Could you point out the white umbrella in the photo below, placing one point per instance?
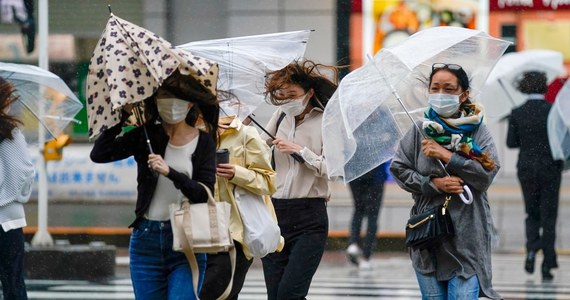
(501, 95)
(244, 62)
(363, 121)
(44, 99)
(559, 125)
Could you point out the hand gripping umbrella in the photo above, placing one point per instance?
(373, 105)
(501, 95)
(129, 64)
(244, 62)
(44, 100)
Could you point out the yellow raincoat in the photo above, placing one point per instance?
(255, 174)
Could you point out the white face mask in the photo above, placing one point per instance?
(444, 105)
(172, 110)
(295, 106)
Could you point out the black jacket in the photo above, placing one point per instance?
(528, 131)
(111, 147)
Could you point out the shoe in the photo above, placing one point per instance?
(546, 275)
(352, 253)
(529, 262)
(365, 265)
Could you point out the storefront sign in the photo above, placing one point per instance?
(495, 5)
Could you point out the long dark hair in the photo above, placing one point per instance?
(307, 74)
(7, 97)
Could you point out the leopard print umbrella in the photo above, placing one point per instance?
(128, 65)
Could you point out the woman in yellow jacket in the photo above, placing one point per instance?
(249, 168)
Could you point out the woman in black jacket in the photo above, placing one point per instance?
(178, 157)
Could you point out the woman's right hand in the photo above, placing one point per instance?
(449, 184)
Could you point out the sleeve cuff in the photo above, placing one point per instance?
(428, 188)
(240, 176)
(309, 156)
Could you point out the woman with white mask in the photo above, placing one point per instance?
(301, 92)
(459, 267)
(179, 157)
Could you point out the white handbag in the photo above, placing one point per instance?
(205, 226)
(261, 234)
(202, 228)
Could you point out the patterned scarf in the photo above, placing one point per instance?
(455, 133)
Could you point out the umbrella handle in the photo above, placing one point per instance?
(469, 198)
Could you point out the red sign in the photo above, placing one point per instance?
(529, 4)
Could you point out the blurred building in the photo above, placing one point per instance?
(532, 24)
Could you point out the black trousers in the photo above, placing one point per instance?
(367, 193)
(541, 189)
(12, 264)
(218, 271)
(304, 225)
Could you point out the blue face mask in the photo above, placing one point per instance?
(444, 105)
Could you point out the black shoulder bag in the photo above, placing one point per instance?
(430, 228)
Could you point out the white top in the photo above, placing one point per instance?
(295, 180)
(178, 158)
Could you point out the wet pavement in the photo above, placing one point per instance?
(392, 277)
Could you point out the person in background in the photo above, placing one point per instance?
(367, 191)
(253, 173)
(181, 157)
(539, 174)
(301, 92)
(460, 267)
(16, 177)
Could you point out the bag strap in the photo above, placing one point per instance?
(279, 120)
(186, 242)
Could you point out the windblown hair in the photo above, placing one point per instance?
(7, 98)
(307, 74)
(533, 82)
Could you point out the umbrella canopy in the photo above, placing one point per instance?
(364, 120)
(244, 62)
(44, 100)
(501, 94)
(129, 64)
(559, 125)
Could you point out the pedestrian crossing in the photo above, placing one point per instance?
(391, 278)
(334, 286)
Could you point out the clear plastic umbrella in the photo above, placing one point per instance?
(364, 120)
(501, 95)
(44, 100)
(244, 62)
(559, 125)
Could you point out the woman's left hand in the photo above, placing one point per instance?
(157, 163)
(431, 148)
(227, 171)
(285, 146)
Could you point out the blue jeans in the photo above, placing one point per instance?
(457, 288)
(157, 271)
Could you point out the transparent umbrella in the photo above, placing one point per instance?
(372, 107)
(559, 125)
(500, 94)
(44, 100)
(244, 62)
